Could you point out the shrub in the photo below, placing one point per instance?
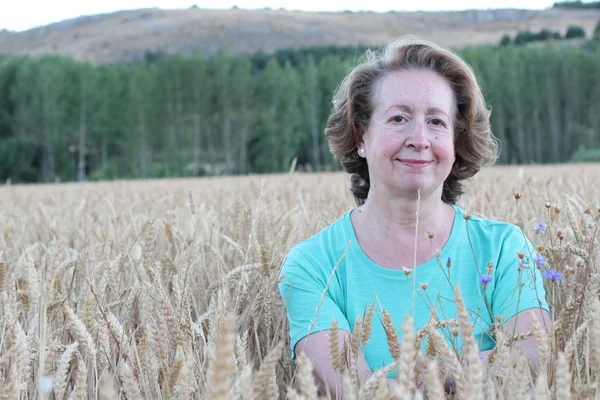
(19, 160)
(586, 155)
(574, 32)
(505, 41)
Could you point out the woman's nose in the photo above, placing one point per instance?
(418, 137)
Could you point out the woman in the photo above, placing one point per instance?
(409, 126)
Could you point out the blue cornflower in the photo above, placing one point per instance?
(540, 227)
(553, 275)
(485, 279)
(540, 260)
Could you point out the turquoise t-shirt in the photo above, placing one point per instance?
(516, 284)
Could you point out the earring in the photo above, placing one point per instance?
(362, 152)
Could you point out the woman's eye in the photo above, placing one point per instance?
(437, 122)
(398, 118)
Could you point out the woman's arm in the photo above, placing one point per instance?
(316, 348)
(522, 323)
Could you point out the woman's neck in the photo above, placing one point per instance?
(388, 218)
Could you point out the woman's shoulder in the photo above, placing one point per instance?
(489, 225)
(488, 233)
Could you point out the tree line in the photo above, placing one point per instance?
(577, 4)
(178, 115)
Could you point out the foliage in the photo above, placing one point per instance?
(528, 36)
(575, 32)
(192, 116)
(577, 4)
(506, 40)
(19, 159)
(586, 155)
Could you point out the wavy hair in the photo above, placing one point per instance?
(474, 143)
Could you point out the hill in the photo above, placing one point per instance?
(127, 35)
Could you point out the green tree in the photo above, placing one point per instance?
(505, 41)
(575, 32)
(242, 93)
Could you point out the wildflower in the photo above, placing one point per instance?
(553, 275)
(540, 260)
(406, 271)
(485, 279)
(424, 285)
(490, 267)
(517, 195)
(540, 227)
(522, 265)
(448, 263)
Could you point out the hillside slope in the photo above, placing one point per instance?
(126, 35)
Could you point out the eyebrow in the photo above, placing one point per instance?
(407, 108)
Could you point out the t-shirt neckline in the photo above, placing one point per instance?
(420, 269)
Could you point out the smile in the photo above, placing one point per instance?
(415, 163)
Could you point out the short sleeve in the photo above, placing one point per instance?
(310, 307)
(518, 285)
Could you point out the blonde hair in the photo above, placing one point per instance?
(475, 145)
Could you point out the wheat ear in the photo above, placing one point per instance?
(563, 378)
(130, 384)
(222, 363)
(367, 327)
(541, 388)
(391, 335)
(81, 334)
(80, 390)
(474, 385)
(450, 359)
(305, 379)
(435, 387)
(408, 356)
(372, 384)
(106, 387)
(62, 372)
(266, 371)
(337, 362)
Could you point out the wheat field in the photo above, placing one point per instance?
(168, 288)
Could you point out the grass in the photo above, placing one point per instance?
(167, 289)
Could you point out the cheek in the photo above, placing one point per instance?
(445, 148)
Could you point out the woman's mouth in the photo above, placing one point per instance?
(415, 163)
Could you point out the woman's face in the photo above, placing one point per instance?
(409, 142)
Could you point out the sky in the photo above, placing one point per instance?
(22, 15)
